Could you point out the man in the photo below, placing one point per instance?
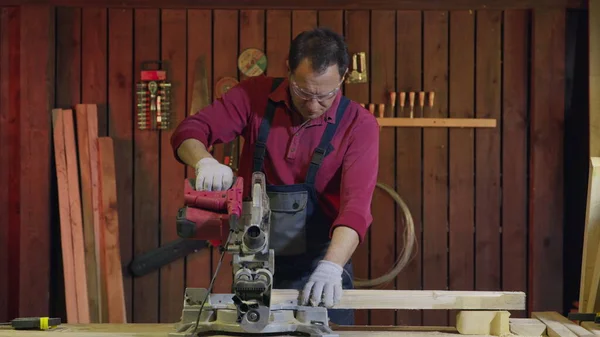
(319, 152)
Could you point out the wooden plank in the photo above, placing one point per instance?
(146, 180)
(172, 174)
(4, 149)
(332, 19)
(526, 326)
(11, 80)
(278, 41)
(382, 81)
(224, 65)
(94, 63)
(68, 57)
(514, 153)
(594, 82)
(357, 39)
(303, 20)
(461, 154)
(435, 161)
(66, 243)
(487, 152)
(453, 122)
(36, 99)
(317, 4)
(560, 326)
(408, 152)
(111, 259)
(590, 270)
(198, 265)
(546, 160)
(120, 101)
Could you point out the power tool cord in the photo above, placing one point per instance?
(406, 253)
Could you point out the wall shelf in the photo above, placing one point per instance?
(437, 122)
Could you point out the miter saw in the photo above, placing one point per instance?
(241, 228)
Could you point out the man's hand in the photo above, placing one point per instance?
(212, 175)
(324, 285)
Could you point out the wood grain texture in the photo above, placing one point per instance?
(4, 148)
(278, 33)
(146, 178)
(68, 57)
(303, 20)
(317, 4)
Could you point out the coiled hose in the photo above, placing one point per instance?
(405, 255)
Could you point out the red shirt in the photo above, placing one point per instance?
(346, 179)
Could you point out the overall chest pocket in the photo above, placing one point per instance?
(288, 222)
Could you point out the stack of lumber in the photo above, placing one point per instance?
(89, 223)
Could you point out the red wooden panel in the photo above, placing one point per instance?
(4, 148)
(37, 57)
(408, 153)
(199, 26)
(435, 161)
(546, 160)
(487, 151)
(146, 179)
(93, 62)
(303, 20)
(278, 41)
(332, 19)
(172, 173)
(383, 75)
(461, 151)
(224, 65)
(514, 153)
(68, 57)
(357, 38)
(120, 103)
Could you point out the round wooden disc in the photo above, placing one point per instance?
(252, 62)
(223, 85)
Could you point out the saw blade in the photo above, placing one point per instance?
(223, 85)
(252, 62)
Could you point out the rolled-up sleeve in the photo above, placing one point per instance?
(359, 177)
(220, 122)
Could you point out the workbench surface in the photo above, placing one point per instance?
(162, 330)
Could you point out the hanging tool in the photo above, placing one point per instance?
(411, 103)
(252, 62)
(33, 323)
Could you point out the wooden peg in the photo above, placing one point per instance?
(402, 102)
(431, 99)
(422, 101)
(381, 110)
(411, 103)
(372, 108)
(392, 103)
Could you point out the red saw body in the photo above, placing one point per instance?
(208, 215)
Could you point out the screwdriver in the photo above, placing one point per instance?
(33, 323)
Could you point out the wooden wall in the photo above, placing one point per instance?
(487, 203)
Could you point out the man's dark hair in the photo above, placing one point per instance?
(322, 47)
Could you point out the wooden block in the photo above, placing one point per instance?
(559, 326)
(527, 326)
(495, 323)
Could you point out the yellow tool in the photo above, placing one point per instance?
(33, 323)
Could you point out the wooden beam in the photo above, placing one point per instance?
(437, 122)
(417, 299)
(559, 326)
(590, 267)
(315, 4)
(594, 77)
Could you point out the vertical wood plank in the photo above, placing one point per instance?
(546, 160)
(199, 43)
(4, 149)
(146, 198)
(93, 91)
(224, 65)
(93, 63)
(120, 103)
(514, 152)
(172, 174)
(461, 153)
(278, 41)
(68, 57)
(332, 19)
(487, 151)
(383, 74)
(37, 100)
(303, 20)
(408, 153)
(357, 38)
(435, 162)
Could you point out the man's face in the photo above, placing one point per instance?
(312, 93)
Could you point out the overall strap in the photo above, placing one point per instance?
(263, 132)
(319, 154)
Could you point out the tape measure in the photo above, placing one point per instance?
(223, 85)
(252, 62)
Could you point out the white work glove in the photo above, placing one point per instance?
(324, 285)
(212, 175)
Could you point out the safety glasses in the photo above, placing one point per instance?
(308, 96)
